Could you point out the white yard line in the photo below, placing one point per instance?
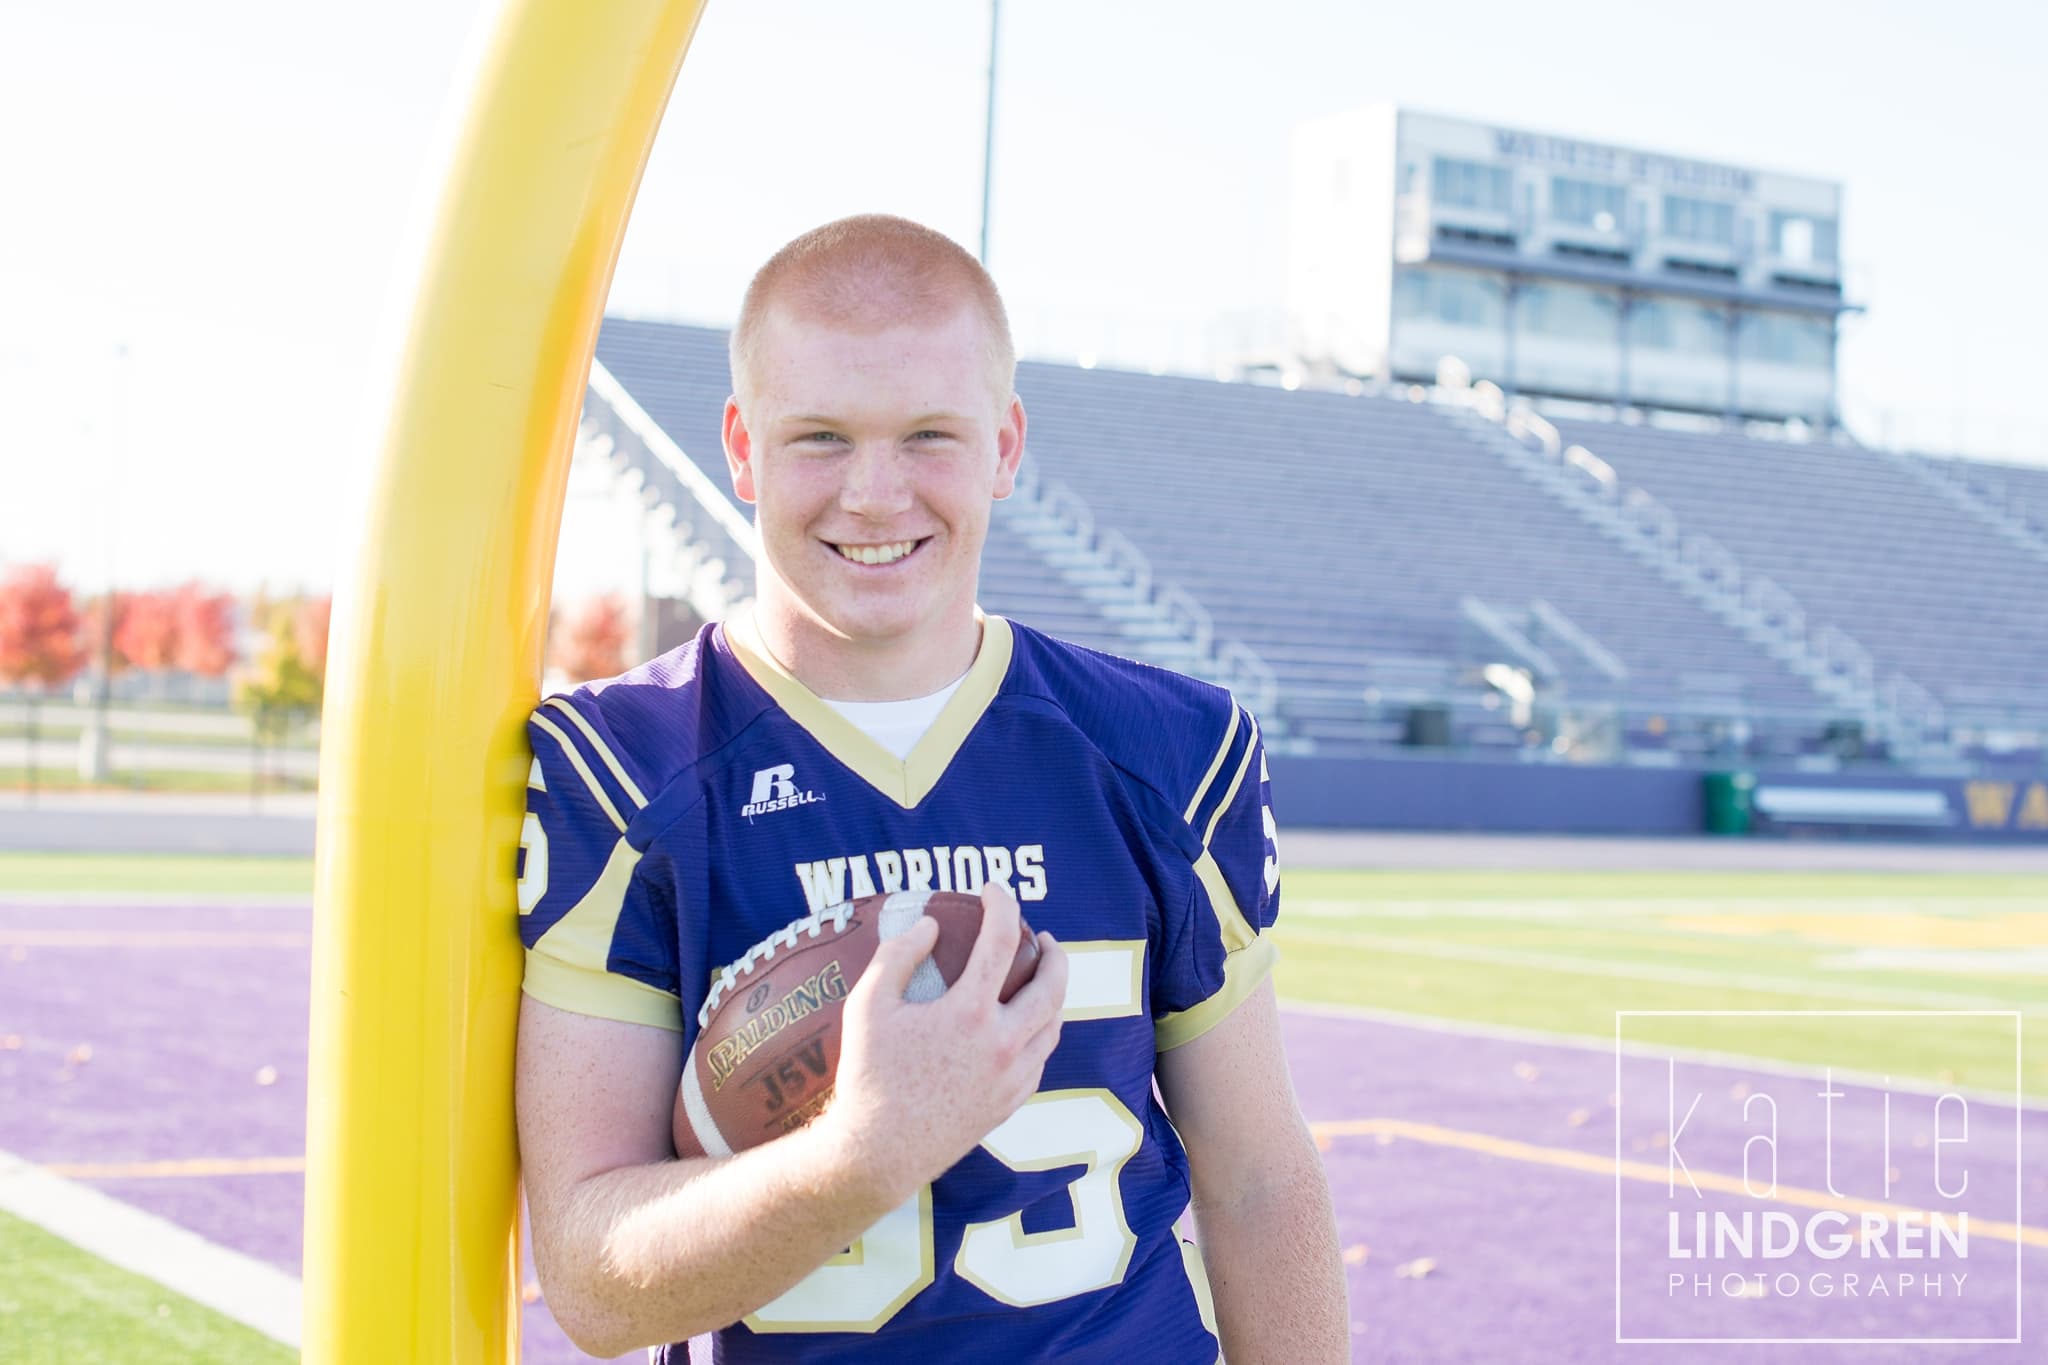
(252, 1292)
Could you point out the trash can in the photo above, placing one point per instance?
(1728, 802)
(1427, 726)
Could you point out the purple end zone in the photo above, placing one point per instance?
(1522, 1245)
(179, 1034)
(1524, 1250)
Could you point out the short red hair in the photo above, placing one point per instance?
(867, 273)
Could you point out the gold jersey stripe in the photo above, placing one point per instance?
(1243, 970)
(602, 995)
(1231, 922)
(1215, 766)
(1251, 747)
(603, 750)
(569, 967)
(576, 760)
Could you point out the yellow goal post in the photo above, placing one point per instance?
(411, 1244)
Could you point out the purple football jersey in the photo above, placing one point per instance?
(685, 810)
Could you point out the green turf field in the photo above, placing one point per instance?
(59, 1305)
(1562, 952)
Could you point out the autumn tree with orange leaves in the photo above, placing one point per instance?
(314, 615)
(188, 628)
(145, 630)
(205, 623)
(40, 648)
(592, 643)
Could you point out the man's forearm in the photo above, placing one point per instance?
(653, 1254)
(1275, 1272)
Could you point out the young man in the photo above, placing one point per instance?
(991, 1180)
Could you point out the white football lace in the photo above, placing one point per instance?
(810, 926)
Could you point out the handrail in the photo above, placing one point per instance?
(1249, 677)
(1524, 420)
(1596, 469)
(680, 556)
(658, 442)
(1572, 633)
(1503, 633)
(1116, 549)
(1914, 706)
(1059, 501)
(1175, 601)
(1489, 400)
(1712, 562)
(1650, 519)
(1232, 661)
(1844, 656)
(1776, 608)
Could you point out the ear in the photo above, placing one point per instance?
(1009, 448)
(739, 450)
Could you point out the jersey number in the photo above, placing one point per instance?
(533, 870)
(867, 1284)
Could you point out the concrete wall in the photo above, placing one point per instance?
(1441, 793)
(1436, 793)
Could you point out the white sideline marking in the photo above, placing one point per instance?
(252, 1292)
(1509, 1033)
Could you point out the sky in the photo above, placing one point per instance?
(204, 204)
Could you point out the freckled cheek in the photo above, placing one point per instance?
(794, 498)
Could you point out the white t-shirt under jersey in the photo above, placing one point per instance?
(897, 725)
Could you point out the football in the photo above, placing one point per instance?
(768, 1035)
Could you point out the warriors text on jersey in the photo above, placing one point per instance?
(682, 812)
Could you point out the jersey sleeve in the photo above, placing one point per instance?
(1218, 953)
(596, 911)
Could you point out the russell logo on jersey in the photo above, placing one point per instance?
(774, 790)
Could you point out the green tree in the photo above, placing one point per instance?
(279, 689)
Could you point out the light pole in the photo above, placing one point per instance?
(988, 139)
(93, 739)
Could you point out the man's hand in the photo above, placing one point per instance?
(636, 1248)
(920, 1084)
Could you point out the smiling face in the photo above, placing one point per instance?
(873, 459)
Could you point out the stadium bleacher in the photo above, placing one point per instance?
(1926, 587)
(1337, 535)
(2020, 491)
(1378, 557)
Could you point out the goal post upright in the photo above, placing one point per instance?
(411, 1249)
